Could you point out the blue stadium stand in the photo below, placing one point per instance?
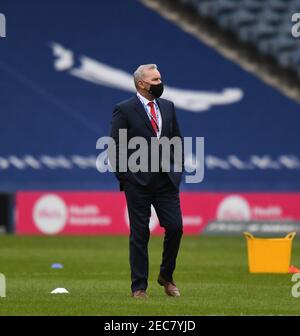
(265, 24)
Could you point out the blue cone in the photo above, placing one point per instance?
(57, 266)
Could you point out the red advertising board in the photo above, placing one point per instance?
(89, 213)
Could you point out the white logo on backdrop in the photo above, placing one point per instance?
(50, 214)
(101, 74)
(234, 207)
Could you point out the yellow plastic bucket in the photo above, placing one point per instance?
(267, 255)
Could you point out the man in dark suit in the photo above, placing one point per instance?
(146, 115)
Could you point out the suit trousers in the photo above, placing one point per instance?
(164, 196)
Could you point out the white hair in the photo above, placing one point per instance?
(139, 72)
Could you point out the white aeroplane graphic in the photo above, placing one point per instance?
(102, 74)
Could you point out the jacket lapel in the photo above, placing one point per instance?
(163, 116)
(140, 109)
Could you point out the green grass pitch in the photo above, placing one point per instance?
(211, 273)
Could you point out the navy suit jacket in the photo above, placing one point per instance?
(131, 115)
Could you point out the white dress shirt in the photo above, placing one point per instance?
(147, 108)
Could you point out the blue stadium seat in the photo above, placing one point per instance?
(216, 8)
(256, 32)
(236, 20)
(253, 6)
(270, 17)
(206, 8)
(294, 5)
(289, 59)
(275, 45)
(285, 28)
(277, 5)
(226, 6)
